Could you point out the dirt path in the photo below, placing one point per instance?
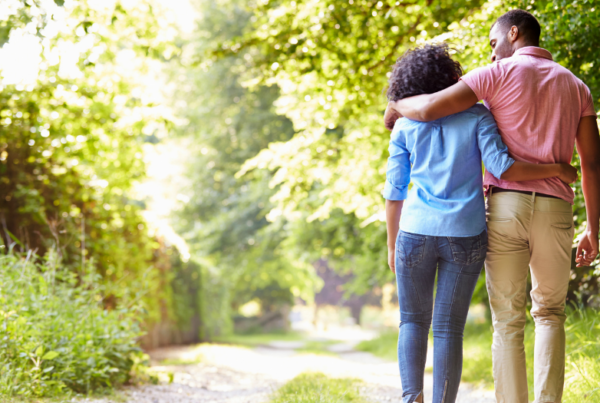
(229, 374)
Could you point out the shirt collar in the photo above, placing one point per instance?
(533, 51)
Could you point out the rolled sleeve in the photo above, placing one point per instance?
(587, 102)
(494, 152)
(398, 171)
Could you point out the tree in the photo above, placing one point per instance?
(223, 216)
(331, 60)
(73, 120)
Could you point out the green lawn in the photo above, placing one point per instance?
(582, 374)
(256, 339)
(384, 346)
(318, 388)
(317, 347)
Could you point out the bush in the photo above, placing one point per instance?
(55, 335)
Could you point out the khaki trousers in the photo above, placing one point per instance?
(528, 232)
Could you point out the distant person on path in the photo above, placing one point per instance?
(542, 110)
(442, 228)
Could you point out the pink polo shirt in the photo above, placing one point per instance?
(537, 105)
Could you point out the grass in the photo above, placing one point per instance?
(317, 347)
(318, 388)
(112, 395)
(582, 372)
(181, 361)
(477, 356)
(582, 378)
(384, 346)
(257, 339)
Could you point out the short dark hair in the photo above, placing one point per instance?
(423, 70)
(528, 25)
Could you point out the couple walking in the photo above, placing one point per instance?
(535, 112)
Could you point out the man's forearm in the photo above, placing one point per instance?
(419, 107)
(426, 107)
(393, 210)
(590, 184)
(588, 147)
(523, 171)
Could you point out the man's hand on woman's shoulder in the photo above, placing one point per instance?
(391, 116)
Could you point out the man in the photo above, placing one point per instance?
(541, 110)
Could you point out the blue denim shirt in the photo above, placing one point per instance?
(443, 159)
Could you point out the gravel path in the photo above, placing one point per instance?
(228, 374)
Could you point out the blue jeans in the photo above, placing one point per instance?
(458, 263)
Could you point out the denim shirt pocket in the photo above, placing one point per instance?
(410, 248)
(469, 250)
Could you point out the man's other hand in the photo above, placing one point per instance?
(587, 250)
(568, 174)
(390, 116)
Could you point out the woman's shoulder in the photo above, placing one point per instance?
(404, 125)
(478, 110)
(404, 122)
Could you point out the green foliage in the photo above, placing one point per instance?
(331, 60)
(317, 388)
(72, 143)
(224, 221)
(55, 335)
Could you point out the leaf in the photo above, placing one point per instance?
(39, 351)
(50, 355)
(60, 3)
(48, 369)
(15, 239)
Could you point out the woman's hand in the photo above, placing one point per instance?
(392, 259)
(393, 210)
(568, 174)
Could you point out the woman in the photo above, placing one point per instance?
(442, 229)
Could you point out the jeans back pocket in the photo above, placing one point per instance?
(410, 248)
(469, 250)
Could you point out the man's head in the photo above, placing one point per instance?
(423, 70)
(513, 30)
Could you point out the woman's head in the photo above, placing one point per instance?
(423, 70)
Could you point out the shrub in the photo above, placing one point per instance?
(56, 337)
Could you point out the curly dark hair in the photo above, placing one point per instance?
(423, 70)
